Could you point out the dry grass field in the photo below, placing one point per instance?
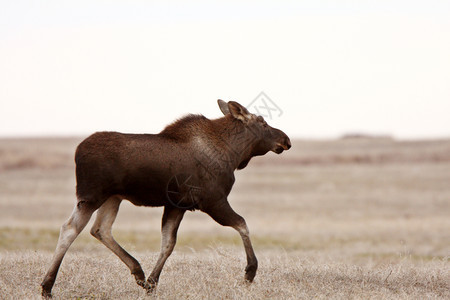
(346, 219)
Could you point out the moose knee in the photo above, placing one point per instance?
(95, 232)
(242, 228)
(99, 232)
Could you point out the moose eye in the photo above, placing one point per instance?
(261, 120)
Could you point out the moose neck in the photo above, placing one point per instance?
(237, 141)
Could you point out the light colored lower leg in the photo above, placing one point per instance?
(101, 230)
(252, 262)
(68, 233)
(245, 235)
(171, 222)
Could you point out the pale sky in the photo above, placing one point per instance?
(331, 67)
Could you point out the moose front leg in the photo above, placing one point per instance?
(252, 262)
(226, 216)
(170, 222)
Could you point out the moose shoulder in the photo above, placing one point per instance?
(187, 166)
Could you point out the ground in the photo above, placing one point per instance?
(352, 218)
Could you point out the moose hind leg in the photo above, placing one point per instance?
(170, 222)
(68, 233)
(226, 216)
(101, 230)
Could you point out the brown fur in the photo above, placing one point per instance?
(182, 129)
(188, 165)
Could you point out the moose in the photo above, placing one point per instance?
(189, 165)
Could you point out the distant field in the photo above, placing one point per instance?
(353, 218)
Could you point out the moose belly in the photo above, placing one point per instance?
(181, 190)
(145, 188)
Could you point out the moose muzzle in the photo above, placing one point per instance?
(284, 144)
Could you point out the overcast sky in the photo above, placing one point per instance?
(329, 67)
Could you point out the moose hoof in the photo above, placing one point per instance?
(150, 286)
(46, 290)
(250, 273)
(46, 294)
(139, 277)
(141, 283)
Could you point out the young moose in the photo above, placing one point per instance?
(187, 166)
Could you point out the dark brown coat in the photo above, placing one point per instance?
(189, 165)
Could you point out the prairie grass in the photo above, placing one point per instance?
(353, 218)
(217, 273)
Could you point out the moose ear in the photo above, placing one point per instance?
(223, 107)
(238, 111)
